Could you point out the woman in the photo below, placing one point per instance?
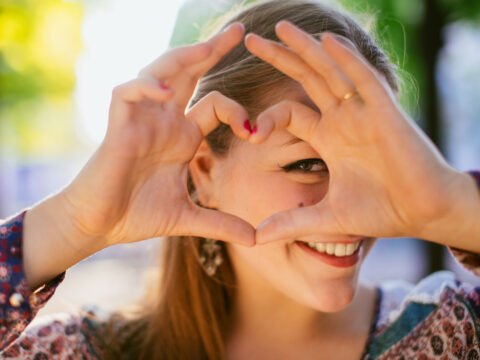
(282, 282)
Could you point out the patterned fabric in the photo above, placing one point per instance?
(18, 305)
(476, 176)
(438, 318)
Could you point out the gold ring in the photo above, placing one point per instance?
(349, 94)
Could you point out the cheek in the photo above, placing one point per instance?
(254, 196)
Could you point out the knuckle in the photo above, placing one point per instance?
(143, 72)
(303, 76)
(310, 50)
(287, 104)
(285, 107)
(215, 94)
(117, 90)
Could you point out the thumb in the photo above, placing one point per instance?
(217, 225)
(298, 223)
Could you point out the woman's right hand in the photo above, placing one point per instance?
(134, 187)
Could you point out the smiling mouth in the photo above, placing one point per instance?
(336, 249)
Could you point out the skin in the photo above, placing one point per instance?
(116, 197)
(313, 301)
(380, 166)
(413, 192)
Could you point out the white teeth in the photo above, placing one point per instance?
(330, 248)
(340, 250)
(321, 247)
(337, 249)
(351, 248)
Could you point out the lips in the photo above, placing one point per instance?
(333, 260)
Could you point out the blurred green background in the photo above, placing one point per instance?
(59, 61)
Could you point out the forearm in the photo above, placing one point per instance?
(51, 243)
(460, 227)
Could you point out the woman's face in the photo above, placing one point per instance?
(256, 181)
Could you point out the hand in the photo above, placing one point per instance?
(134, 187)
(386, 178)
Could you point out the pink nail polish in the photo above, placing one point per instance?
(164, 87)
(254, 130)
(246, 125)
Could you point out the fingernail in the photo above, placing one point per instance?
(164, 87)
(254, 130)
(282, 22)
(246, 125)
(341, 39)
(232, 25)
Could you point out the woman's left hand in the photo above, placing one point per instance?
(387, 179)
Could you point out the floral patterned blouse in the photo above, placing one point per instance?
(438, 318)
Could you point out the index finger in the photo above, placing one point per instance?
(173, 61)
(194, 60)
(221, 43)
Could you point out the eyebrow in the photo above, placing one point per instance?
(292, 141)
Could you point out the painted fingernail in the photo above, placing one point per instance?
(246, 125)
(254, 130)
(164, 87)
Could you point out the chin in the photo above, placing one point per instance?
(333, 296)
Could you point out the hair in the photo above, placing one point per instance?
(190, 316)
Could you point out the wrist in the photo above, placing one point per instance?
(51, 242)
(460, 225)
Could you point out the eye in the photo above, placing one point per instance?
(306, 166)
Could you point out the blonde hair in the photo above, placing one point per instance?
(190, 317)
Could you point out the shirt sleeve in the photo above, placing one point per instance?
(18, 305)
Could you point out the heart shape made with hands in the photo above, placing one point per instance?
(134, 187)
(143, 162)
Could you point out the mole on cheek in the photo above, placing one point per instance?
(300, 204)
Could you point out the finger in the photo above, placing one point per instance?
(365, 78)
(311, 51)
(215, 108)
(214, 224)
(176, 60)
(135, 91)
(142, 88)
(292, 65)
(297, 223)
(299, 119)
(220, 45)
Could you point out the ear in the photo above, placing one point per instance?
(202, 170)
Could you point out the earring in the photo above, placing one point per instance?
(211, 256)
